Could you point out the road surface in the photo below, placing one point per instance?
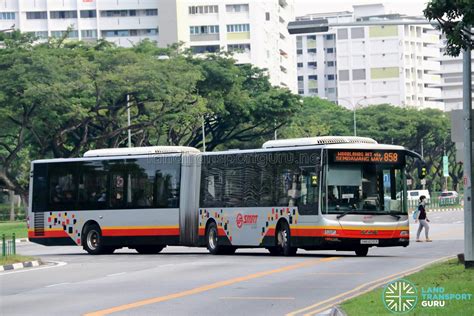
(189, 281)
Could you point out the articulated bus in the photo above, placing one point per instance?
(319, 193)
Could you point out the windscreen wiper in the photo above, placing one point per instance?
(345, 213)
(395, 215)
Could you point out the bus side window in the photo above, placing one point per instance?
(117, 186)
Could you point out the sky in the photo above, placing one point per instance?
(409, 7)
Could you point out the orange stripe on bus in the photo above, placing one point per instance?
(157, 231)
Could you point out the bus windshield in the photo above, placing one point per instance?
(363, 188)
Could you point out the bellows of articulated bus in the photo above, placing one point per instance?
(322, 140)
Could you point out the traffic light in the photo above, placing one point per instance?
(422, 170)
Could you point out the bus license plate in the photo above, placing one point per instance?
(369, 241)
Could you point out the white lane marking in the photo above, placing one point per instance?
(459, 222)
(57, 284)
(57, 265)
(116, 274)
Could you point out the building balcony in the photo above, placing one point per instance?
(238, 36)
(204, 37)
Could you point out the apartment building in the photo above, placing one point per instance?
(397, 64)
(451, 85)
(254, 31)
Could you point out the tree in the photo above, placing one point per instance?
(456, 19)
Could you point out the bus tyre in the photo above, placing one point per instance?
(149, 250)
(283, 241)
(212, 240)
(362, 251)
(92, 241)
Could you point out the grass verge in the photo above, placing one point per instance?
(14, 259)
(17, 227)
(450, 275)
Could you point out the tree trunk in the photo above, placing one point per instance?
(12, 205)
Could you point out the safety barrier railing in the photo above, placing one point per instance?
(438, 203)
(8, 246)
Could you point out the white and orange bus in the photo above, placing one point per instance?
(320, 193)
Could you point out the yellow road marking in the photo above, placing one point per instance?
(208, 287)
(254, 298)
(335, 273)
(326, 304)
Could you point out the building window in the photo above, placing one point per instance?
(120, 13)
(151, 32)
(330, 50)
(36, 15)
(267, 16)
(86, 14)
(116, 33)
(313, 90)
(89, 33)
(330, 64)
(237, 8)
(71, 34)
(357, 32)
(358, 74)
(63, 14)
(300, 78)
(238, 48)
(299, 65)
(237, 28)
(151, 12)
(311, 37)
(331, 90)
(203, 9)
(342, 34)
(313, 77)
(205, 49)
(312, 50)
(300, 91)
(7, 15)
(39, 34)
(331, 77)
(204, 29)
(329, 36)
(312, 64)
(299, 51)
(344, 75)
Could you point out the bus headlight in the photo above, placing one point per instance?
(330, 232)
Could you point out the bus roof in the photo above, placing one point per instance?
(134, 151)
(322, 140)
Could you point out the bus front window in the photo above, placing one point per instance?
(363, 188)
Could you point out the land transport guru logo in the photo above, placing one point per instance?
(400, 296)
(241, 220)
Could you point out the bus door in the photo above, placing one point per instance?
(309, 189)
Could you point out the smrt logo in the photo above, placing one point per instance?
(245, 219)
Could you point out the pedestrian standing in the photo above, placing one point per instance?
(421, 217)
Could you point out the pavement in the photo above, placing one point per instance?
(189, 281)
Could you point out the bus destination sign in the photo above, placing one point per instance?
(364, 156)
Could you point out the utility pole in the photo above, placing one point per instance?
(128, 122)
(468, 175)
(203, 135)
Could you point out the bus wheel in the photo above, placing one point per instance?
(362, 251)
(149, 250)
(211, 237)
(93, 241)
(283, 241)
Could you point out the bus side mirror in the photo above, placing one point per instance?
(422, 170)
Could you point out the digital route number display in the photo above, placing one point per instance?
(367, 156)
